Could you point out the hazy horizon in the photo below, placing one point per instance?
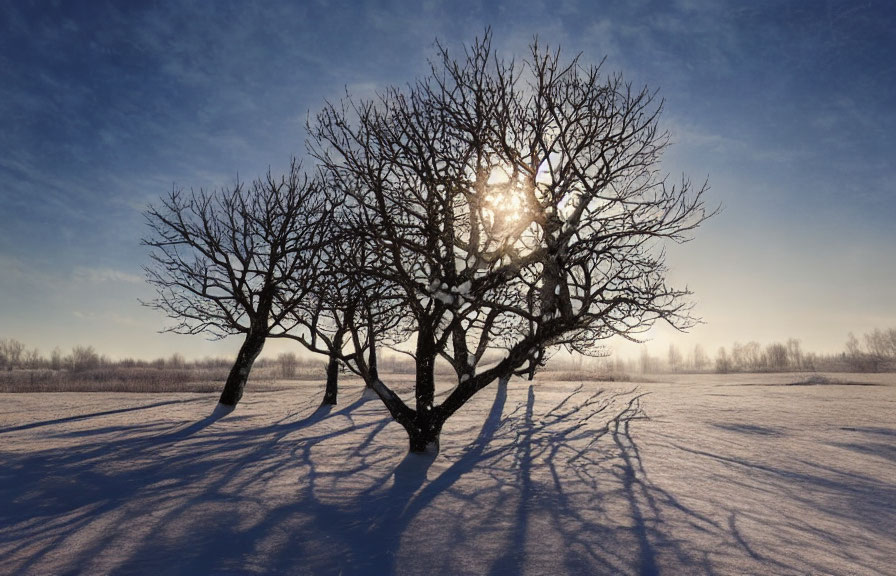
(786, 108)
(226, 349)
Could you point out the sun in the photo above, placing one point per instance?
(503, 206)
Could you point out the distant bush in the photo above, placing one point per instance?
(140, 379)
(84, 358)
(587, 376)
(878, 354)
(11, 351)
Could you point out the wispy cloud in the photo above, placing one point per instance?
(99, 276)
(108, 317)
(20, 276)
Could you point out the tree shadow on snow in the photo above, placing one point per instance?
(550, 482)
(67, 419)
(812, 496)
(211, 496)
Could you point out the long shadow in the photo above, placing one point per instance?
(877, 449)
(96, 415)
(862, 499)
(596, 538)
(551, 441)
(513, 559)
(635, 491)
(220, 411)
(322, 412)
(65, 490)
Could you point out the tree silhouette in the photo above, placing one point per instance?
(345, 316)
(238, 261)
(508, 206)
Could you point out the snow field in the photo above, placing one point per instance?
(702, 475)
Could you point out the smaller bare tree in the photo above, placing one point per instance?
(84, 358)
(776, 356)
(675, 358)
(238, 261)
(723, 362)
(56, 359)
(32, 359)
(701, 360)
(11, 351)
(794, 354)
(346, 317)
(881, 344)
(288, 363)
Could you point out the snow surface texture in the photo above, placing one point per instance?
(729, 475)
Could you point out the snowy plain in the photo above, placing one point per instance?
(705, 474)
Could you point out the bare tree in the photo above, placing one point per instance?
(881, 344)
(513, 207)
(675, 358)
(11, 351)
(700, 358)
(238, 261)
(879, 349)
(177, 361)
(738, 357)
(794, 354)
(647, 364)
(753, 357)
(84, 358)
(32, 359)
(288, 363)
(56, 359)
(855, 356)
(347, 315)
(776, 356)
(723, 362)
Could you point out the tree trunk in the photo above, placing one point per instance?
(239, 374)
(424, 432)
(423, 428)
(426, 425)
(332, 391)
(424, 382)
(332, 381)
(372, 368)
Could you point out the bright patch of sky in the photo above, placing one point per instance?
(786, 107)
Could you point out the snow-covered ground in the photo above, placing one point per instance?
(726, 475)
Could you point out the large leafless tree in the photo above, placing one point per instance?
(238, 261)
(511, 206)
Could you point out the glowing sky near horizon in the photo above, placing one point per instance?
(786, 107)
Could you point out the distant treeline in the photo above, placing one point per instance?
(874, 352)
(14, 355)
(83, 368)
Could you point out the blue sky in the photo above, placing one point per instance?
(789, 108)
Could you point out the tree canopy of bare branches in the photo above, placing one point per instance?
(508, 205)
